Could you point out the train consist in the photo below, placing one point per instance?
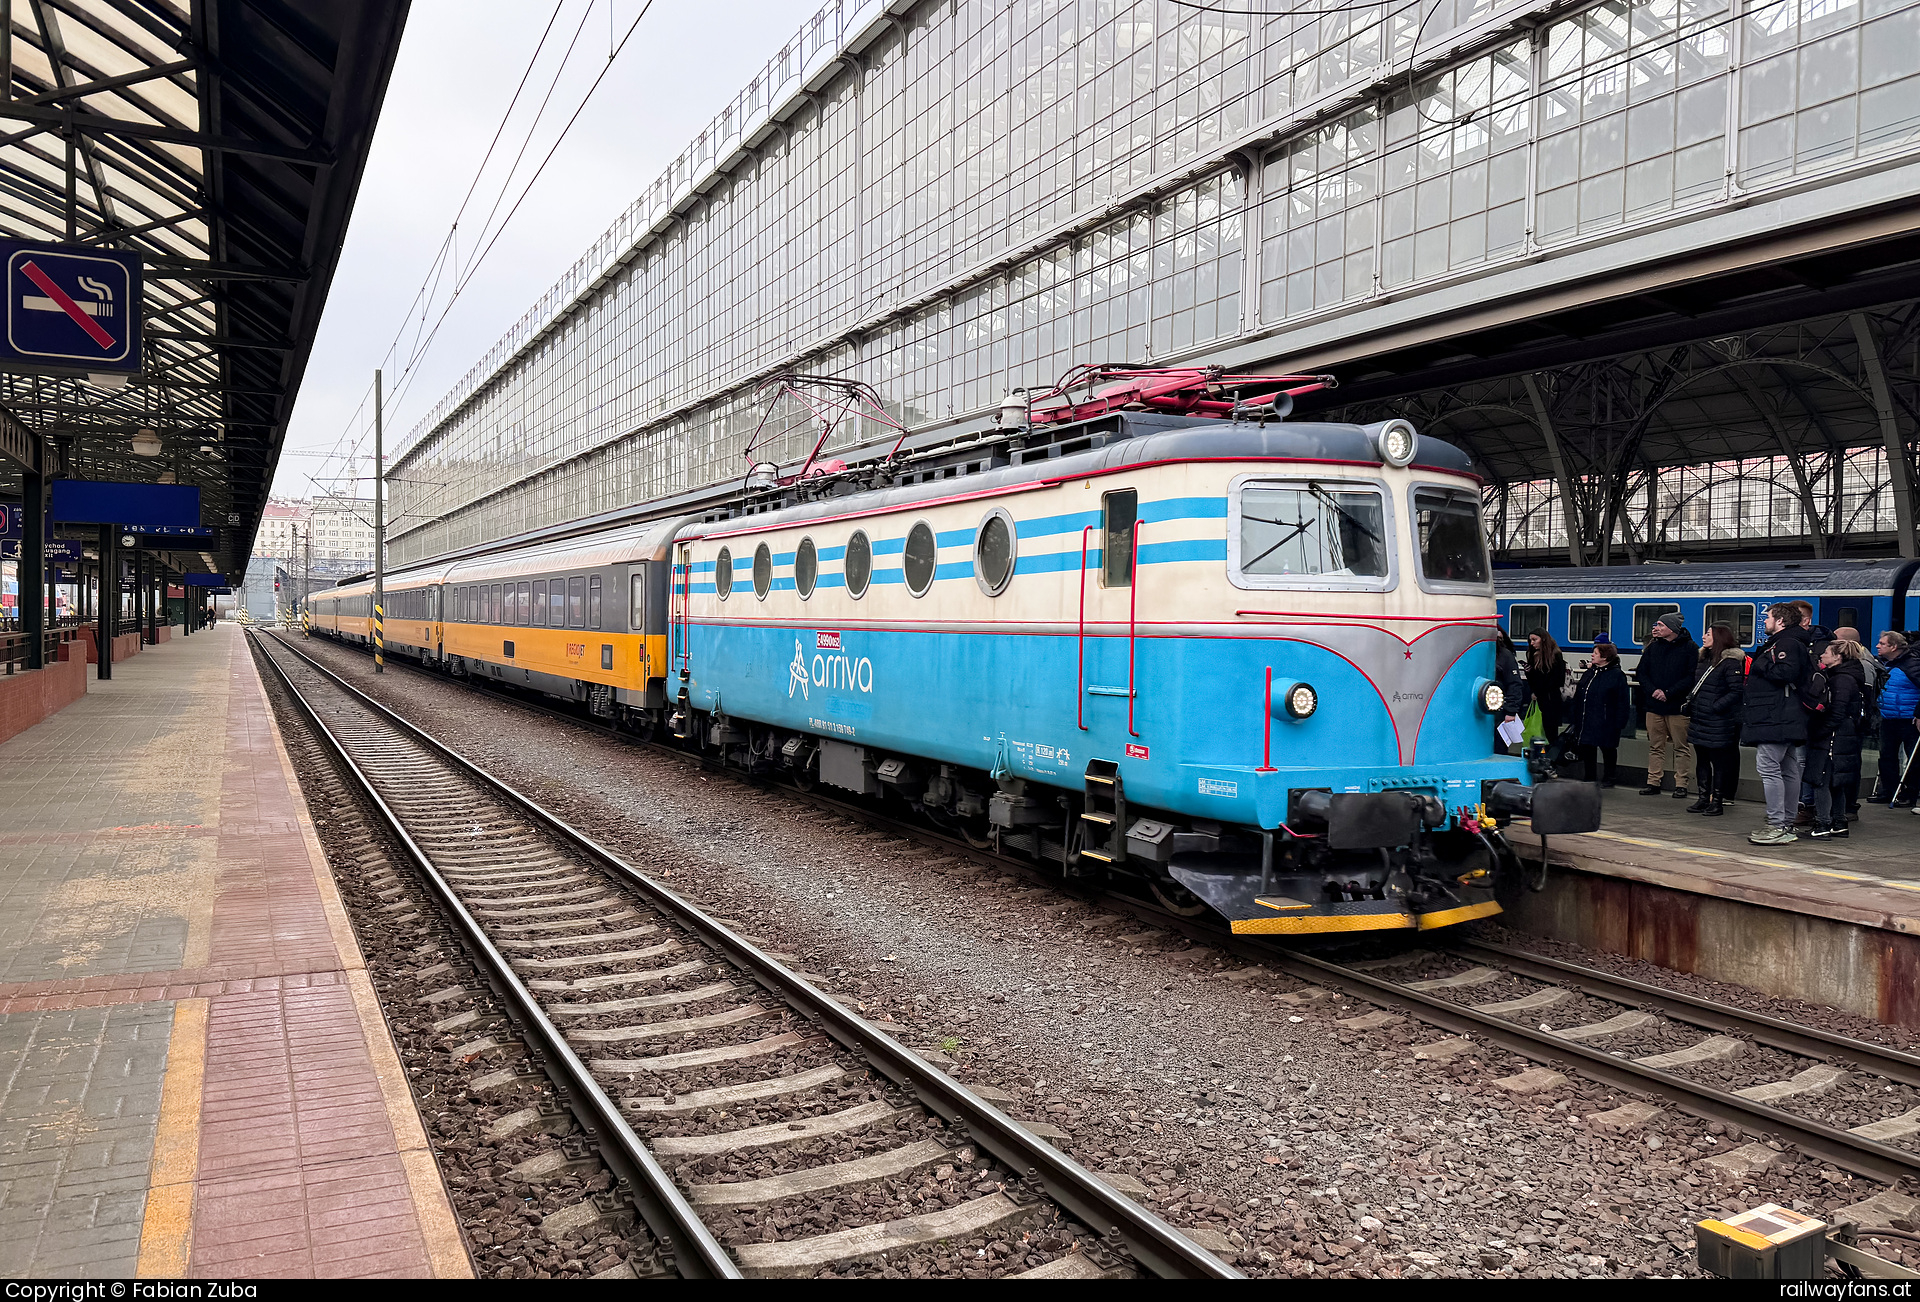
(1161, 633)
(1623, 601)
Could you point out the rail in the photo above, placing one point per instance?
(1157, 1246)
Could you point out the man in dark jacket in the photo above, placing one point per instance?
(1774, 720)
(1667, 669)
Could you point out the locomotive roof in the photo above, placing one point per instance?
(1133, 440)
(1766, 579)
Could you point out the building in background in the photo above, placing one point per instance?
(1585, 242)
(341, 527)
(279, 524)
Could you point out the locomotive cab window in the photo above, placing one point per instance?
(1523, 621)
(993, 553)
(1310, 534)
(920, 558)
(857, 568)
(1118, 514)
(723, 574)
(1584, 621)
(1739, 618)
(1644, 617)
(1452, 543)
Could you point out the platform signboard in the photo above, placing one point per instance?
(58, 549)
(201, 579)
(70, 308)
(142, 508)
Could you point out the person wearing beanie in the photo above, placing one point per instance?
(1666, 675)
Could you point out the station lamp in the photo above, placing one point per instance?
(146, 443)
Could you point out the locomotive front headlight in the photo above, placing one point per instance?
(1302, 700)
(1493, 698)
(1395, 440)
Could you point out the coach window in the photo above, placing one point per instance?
(593, 602)
(806, 568)
(556, 603)
(522, 602)
(723, 574)
(637, 605)
(858, 566)
(1644, 618)
(1524, 621)
(993, 554)
(1585, 621)
(762, 571)
(1739, 618)
(577, 601)
(920, 559)
(1118, 514)
(539, 613)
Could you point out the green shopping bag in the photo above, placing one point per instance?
(1531, 726)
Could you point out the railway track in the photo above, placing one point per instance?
(759, 1127)
(1823, 1062)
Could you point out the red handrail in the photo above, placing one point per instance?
(1080, 684)
(1266, 720)
(1133, 596)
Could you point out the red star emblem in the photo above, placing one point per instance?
(1409, 653)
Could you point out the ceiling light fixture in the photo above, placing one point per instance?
(146, 443)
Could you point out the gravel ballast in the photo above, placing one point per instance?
(1230, 1092)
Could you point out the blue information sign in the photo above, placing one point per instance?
(142, 508)
(71, 307)
(61, 549)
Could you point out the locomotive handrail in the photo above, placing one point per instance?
(1336, 614)
(1080, 683)
(1133, 602)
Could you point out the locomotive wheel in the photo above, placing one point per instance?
(1177, 899)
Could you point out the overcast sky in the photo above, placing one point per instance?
(459, 64)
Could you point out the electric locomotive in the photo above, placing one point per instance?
(1162, 633)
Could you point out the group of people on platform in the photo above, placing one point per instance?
(1806, 699)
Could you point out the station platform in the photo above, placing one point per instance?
(197, 1076)
(1833, 922)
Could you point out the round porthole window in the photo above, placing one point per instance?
(762, 571)
(921, 558)
(993, 553)
(858, 567)
(723, 574)
(806, 568)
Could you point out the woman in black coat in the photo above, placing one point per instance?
(1601, 707)
(1715, 707)
(1836, 695)
(1546, 681)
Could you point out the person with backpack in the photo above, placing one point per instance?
(1775, 722)
(1601, 707)
(1836, 697)
(1713, 712)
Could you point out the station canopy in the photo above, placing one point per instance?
(223, 141)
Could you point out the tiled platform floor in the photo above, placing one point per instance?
(194, 1076)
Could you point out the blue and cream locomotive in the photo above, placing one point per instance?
(1247, 662)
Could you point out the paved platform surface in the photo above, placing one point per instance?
(195, 1078)
(1871, 878)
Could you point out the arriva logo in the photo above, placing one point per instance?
(1408, 696)
(797, 672)
(839, 670)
